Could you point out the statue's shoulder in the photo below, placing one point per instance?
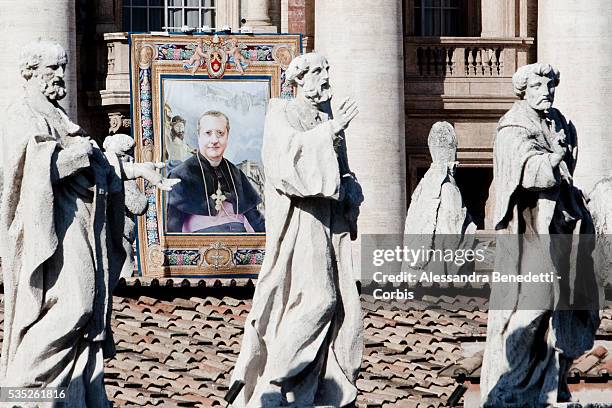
(276, 105)
(516, 117)
(22, 122)
(19, 113)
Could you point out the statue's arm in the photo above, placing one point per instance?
(149, 172)
(540, 170)
(301, 164)
(67, 161)
(539, 173)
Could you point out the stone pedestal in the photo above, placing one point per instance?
(575, 37)
(258, 16)
(24, 21)
(365, 52)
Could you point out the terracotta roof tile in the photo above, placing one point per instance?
(180, 352)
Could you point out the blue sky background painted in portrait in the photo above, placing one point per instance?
(243, 101)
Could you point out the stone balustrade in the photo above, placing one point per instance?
(465, 56)
(484, 61)
(462, 73)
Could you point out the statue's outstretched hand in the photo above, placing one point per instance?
(345, 114)
(167, 183)
(148, 171)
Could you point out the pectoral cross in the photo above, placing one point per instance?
(219, 198)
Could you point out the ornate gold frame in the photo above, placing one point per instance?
(161, 254)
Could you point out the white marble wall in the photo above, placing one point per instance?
(576, 37)
(24, 21)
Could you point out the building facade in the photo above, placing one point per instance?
(427, 60)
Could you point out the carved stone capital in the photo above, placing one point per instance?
(119, 123)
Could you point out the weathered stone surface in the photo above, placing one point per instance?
(600, 207)
(62, 219)
(376, 141)
(135, 200)
(529, 349)
(303, 337)
(436, 205)
(576, 39)
(437, 217)
(23, 22)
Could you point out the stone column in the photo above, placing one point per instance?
(365, 52)
(258, 16)
(24, 21)
(575, 37)
(228, 13)
(498, 18)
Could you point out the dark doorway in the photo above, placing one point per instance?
(474, 183)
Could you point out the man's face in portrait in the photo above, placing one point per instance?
(540, 92)
(316, 82)
(178, 130)
(51, 75)
(212, 137)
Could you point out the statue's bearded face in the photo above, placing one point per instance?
(540, 92)
(316, 82)
(50, 74)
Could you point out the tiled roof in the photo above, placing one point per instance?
(179, 351)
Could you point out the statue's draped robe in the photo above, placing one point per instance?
(600, 207)
(437, 218)
(532, 338)
(136, 204)
(302, 340)
(61, 254)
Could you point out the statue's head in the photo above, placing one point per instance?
(310, 72)
(442, 143)
(120, 144)
(42, 64)
(536, 84)
(177, 124)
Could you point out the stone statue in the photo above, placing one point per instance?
(62, 219)
(117, 148)
(303, 337)
(600, 207)
(535, 330)
(436, 216)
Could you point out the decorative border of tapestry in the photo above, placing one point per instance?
(198, 99)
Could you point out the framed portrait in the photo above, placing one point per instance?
(198, 105)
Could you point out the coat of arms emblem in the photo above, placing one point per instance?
(215, 54)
